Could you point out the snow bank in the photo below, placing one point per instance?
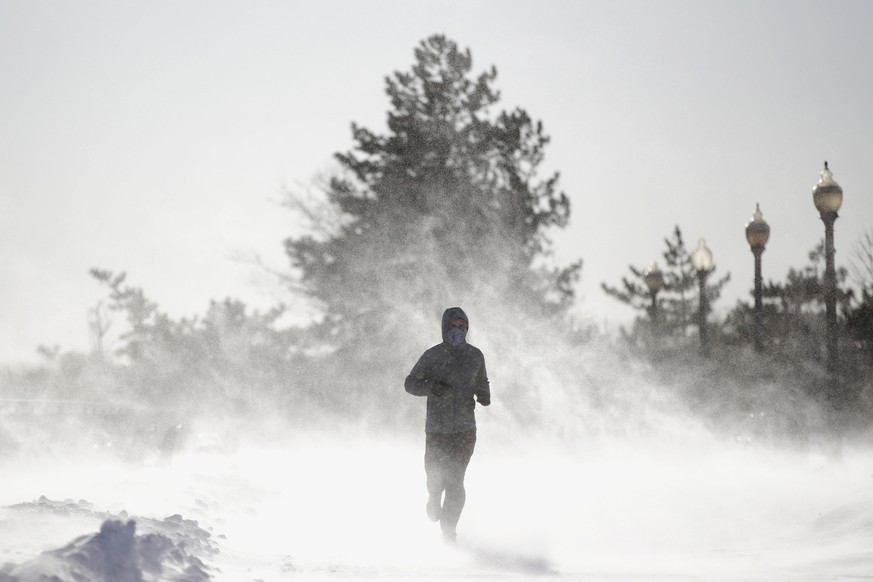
(169, 550)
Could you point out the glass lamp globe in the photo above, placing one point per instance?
(757, 231)
(827, 194)
(653, 277)
(701, 258)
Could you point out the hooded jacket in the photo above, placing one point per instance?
(462, 368)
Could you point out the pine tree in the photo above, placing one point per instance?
(677, 301)
(445, 208)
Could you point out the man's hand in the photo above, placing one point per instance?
(439, 388)
(483, 400)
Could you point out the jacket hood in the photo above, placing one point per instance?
(448, 316)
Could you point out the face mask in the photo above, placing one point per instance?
(456, 336)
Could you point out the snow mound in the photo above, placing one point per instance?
(168, 550)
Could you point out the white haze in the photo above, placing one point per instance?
(148, 137)
(606, 476)
(590, 465)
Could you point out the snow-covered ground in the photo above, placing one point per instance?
(319, 506)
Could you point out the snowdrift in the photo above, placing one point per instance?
(123, 550)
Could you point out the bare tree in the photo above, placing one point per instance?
(861, 261)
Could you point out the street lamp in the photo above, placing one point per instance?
(757, 233)
(701, 260)
(828, 197)
(654, 280)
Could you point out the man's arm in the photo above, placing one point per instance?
(417, 383)
(483, 387)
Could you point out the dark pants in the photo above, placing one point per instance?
(446, 457)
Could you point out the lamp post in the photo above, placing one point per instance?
(757, 233)
(701, 260)
(828, 197)
(654, 280)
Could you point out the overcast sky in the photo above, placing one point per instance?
(155, 137)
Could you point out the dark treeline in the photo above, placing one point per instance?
(448, 208)
(793, 331)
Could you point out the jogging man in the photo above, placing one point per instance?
(450, 375)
